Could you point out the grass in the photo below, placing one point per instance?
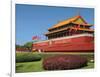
(36, 66)
(29, 67)
(89, 66)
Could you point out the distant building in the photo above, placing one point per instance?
(71, 35)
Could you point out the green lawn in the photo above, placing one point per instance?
(29, 66)
(36, 66)
(89, 66)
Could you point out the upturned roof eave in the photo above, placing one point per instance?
(70, 20)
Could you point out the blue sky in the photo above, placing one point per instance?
(34, 20)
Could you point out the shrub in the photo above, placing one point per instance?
(64, 62)
(27, 57)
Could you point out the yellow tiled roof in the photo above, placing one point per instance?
(68, 21)
(91, 30)
(86, 29)
(83, 24)
(56, 31)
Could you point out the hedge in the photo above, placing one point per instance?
(64, 62)
(27, 57)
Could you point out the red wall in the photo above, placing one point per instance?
(84, 43)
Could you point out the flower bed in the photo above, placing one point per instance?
(64, 62)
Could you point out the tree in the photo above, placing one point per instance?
(28, 45)
(18, 46)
